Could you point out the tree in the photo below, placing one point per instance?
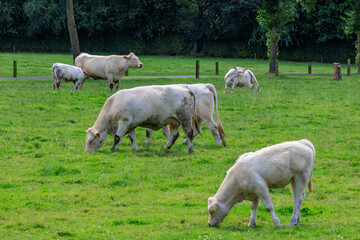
(274, 16)
(72, 28)
(352, 25)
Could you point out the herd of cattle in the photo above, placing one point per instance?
(188, 105)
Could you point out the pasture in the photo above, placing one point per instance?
(51, 189)
(39, 65)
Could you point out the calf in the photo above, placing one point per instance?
(148, 106)
(67, 73)
(236, 78)
(111, 67)
(255, 173)
(206, 100)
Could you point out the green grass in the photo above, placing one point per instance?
(51, 189)
(39, 65)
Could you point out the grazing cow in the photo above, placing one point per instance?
(111, 67)
(67, 73)
(255, 173)
(147, 106)
(206, 100)
(239, 77)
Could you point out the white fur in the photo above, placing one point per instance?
(147, 106)
(67, 73)
(243, 79)
(206, 101)
(111, 67)
(255, 173)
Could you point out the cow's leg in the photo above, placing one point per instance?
(233, 86)
(188, 130)
(254, 206)
(132, 137)
(117, 85)
(225, 87)
(195, 132)
(54, 83)
(165, 130)
(148, 135)
(110, 79)
(58, 84)
(263, 193)
(212, 126)
(298, 186)
(174, 134)
(120, 133)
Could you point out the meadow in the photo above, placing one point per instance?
(34, 65)
(51, 189)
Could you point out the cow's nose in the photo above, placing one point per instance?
(140, 65)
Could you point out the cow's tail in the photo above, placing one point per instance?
(310, 184)
(311, 146)
(195, 121)
(253, 80)
(56, 80)
(218, 122)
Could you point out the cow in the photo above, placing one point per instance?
(255, 173)
(146, 106)
(111, 67)
(239, 77)
(67, 73)
(206, 100)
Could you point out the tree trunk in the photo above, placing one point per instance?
(273, 49)
(72, 29)
(337, 71)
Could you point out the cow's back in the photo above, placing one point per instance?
(150, 106)
(279, 163)
(92, 65)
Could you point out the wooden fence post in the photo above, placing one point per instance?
(337, 71)
(309, 68)
(14, 69)
(348, 67)
(197, 68)
(217, 68)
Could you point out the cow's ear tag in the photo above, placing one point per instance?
(214, 207)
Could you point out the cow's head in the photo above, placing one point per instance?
(217, 212)
(94, 140)
(133, 61)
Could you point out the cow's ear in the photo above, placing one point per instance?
(97, 134)
(126, 57)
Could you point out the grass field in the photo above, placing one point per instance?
(39, 65)
(51, 189)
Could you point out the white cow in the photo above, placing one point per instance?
(255, 173)
(111, 67)
(239, 77)
(206, 100)
(147, 106)
(67, 73)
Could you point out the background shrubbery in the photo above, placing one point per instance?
(217, 28)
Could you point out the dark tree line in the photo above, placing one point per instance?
(229, 28)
